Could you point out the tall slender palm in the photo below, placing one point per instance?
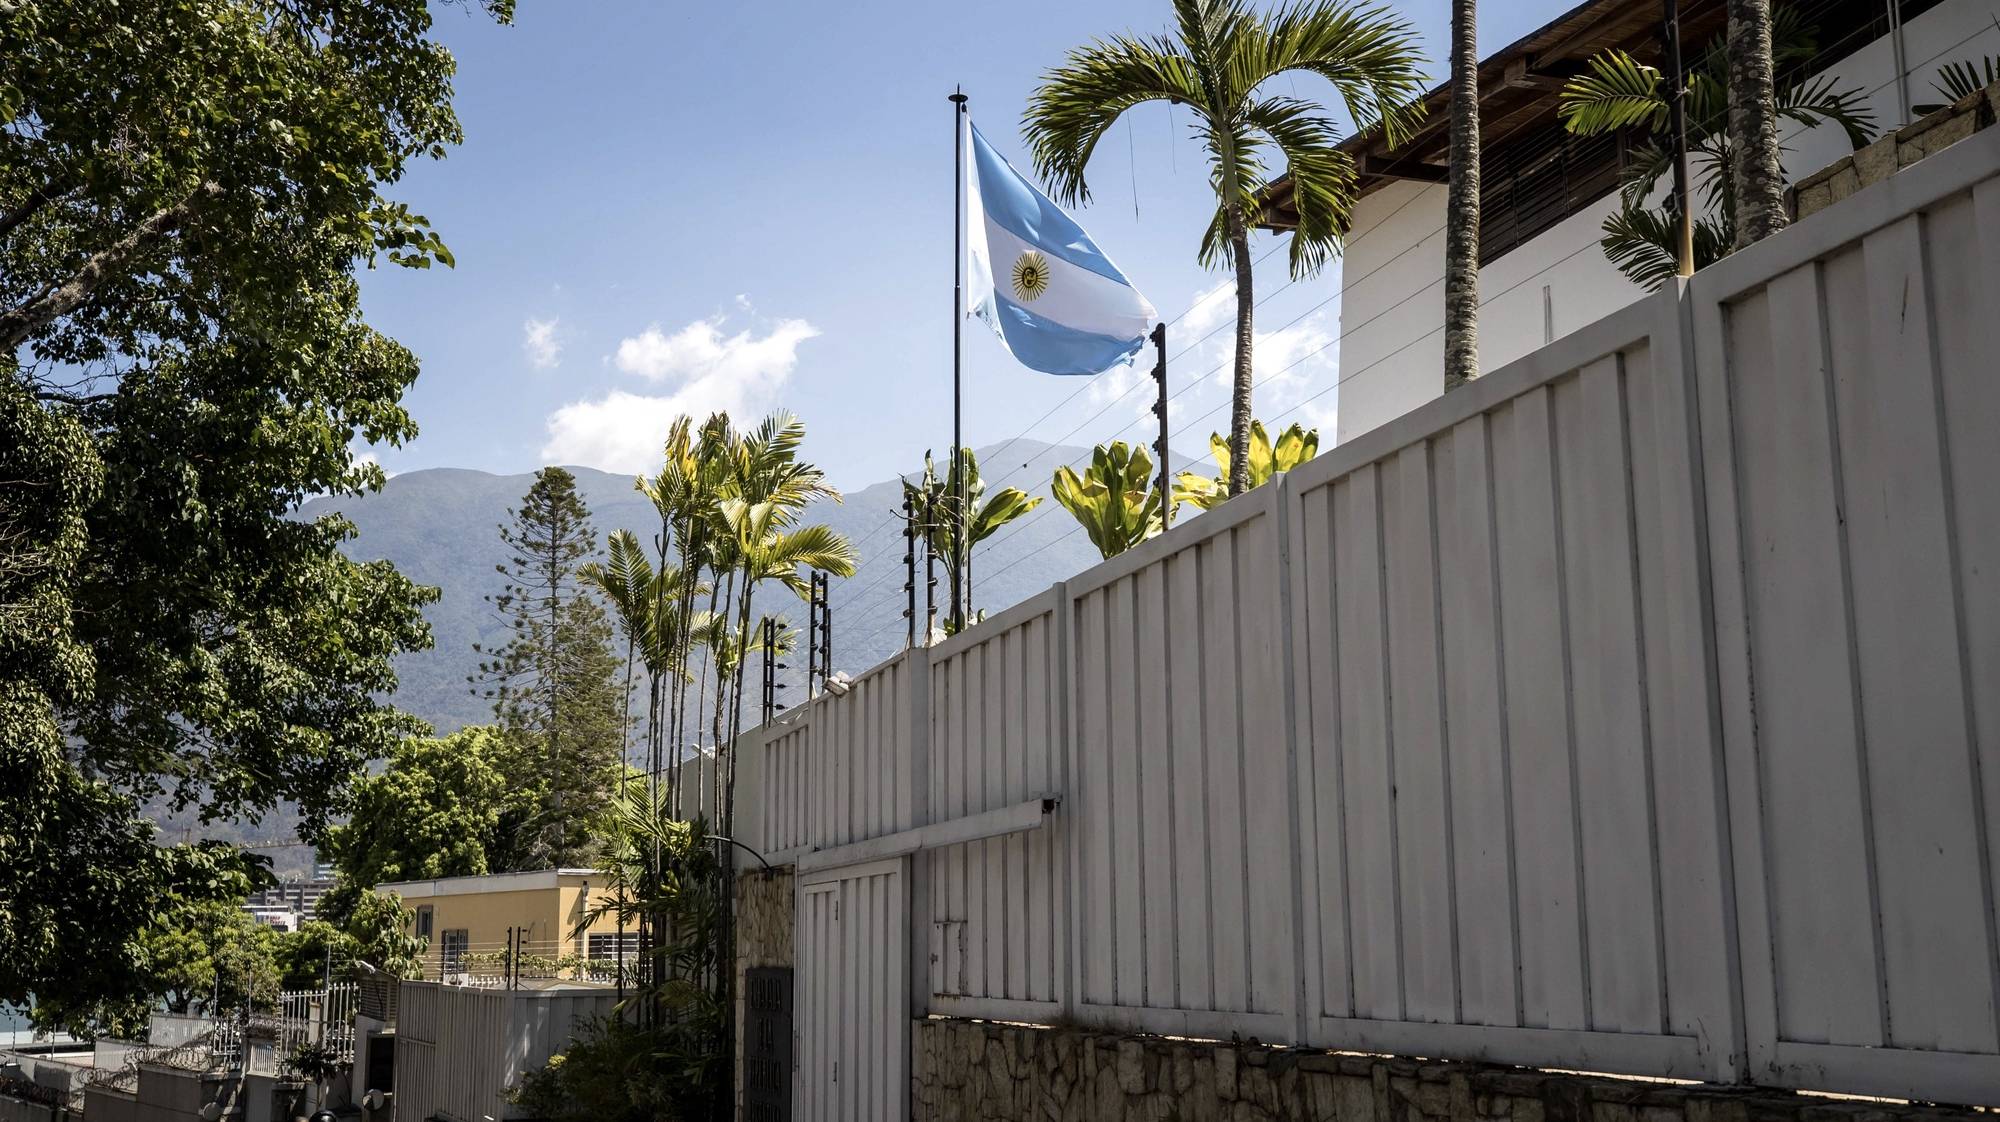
(1753, 123)
(1461, 231)
(1620, 94)
(1216, 61)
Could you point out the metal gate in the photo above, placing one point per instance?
(853, 1011)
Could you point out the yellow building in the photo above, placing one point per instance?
(478, 924)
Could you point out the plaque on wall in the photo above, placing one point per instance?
(767, 1044)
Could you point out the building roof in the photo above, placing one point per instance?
(485, 882)
(1518, 88)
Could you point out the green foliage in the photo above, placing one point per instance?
(1295, 446)
(1644, 244)
(377, 933)
(934, 500)
(1216, 62)
(666, 1054)
(186, 187)
(212, 957)
(1114, 499)
(316, 1061)
(554, 684)
(1961, 79)
(194, 949)
(1618, 92)
(934, 503)
(435, 811)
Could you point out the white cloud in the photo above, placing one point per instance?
(370, 457)
(1211, 308)
(539, 342)
(700, 351)
(741, 374)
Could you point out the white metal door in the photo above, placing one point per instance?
(853, 995)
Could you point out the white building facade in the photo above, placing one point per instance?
(1558, 279)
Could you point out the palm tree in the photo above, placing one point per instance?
(1618, 92)
(1753, 123)
(1215, 61)
(1461, 230)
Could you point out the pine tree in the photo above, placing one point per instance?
(554, 683)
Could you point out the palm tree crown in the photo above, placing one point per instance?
(1216, 62)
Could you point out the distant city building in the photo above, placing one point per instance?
(277, 918)
(298, 896)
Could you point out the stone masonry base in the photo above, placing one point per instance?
(981, 1071)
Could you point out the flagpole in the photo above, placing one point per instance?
(961, 562)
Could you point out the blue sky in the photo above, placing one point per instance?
(667, 206)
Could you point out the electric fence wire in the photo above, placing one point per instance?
(1184, 351)
(1219, 367)
(1796, 130)
(869, 537)
(1196, 422)
(1092, 380)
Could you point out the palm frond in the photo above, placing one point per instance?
(1368, 52)
(1962, 79)
(1642, 244)
(1819, 101)
(1618, 92)
(1078, 102)
(1322, 176)
(1248, 144)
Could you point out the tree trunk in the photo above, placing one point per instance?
(1755, 171)
(16, 324)
(1245, 381)
(1461, 238)
(36, 200)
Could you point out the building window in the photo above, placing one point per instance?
(451, 956)
(1536, 178)
(607, 947)
(425, 917)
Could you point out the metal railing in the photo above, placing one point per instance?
(522, 963)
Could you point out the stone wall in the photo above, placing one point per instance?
(763, 938)
(981, 1071)
(1894, 151)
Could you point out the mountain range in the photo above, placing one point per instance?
(440, 527)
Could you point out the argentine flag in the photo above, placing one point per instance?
(1038, 280)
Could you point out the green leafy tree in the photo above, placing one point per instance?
(729, 504)
(371, 934)
(210, 957)
(193, 938)
(1618, 93)
(554, 683)
(674, 1062)
(1114, 499)
(379, 938)
(1217, 62)
(442, 808)
(1295, 446)
(186, 188)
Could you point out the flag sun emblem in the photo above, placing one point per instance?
(1031, 275)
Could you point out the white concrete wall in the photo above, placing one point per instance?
(1392, 295)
